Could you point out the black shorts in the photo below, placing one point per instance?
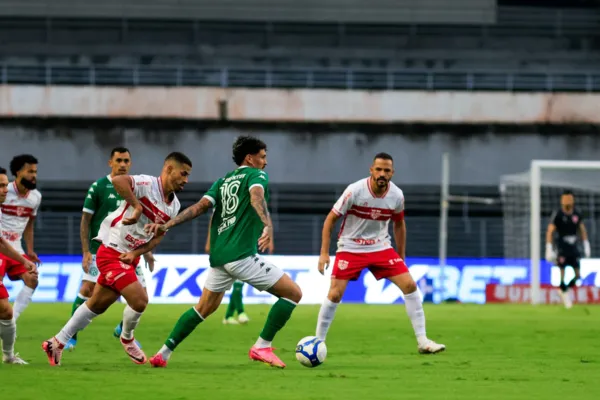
(563, 261)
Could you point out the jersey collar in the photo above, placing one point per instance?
(109, 178)
(22, 196)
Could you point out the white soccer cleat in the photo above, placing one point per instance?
(230, 321)
(15, 359)
(243, 318)
(431, 347)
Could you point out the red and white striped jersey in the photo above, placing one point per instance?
(16, 210)
(366, 217)
(124, 238)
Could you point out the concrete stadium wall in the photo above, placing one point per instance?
(68, 153)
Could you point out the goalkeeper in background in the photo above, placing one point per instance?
(236, 300)
(568, 224)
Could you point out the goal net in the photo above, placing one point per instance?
(529, 199)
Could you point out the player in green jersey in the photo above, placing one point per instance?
(236, 300)
(241, 227)
(101, 200)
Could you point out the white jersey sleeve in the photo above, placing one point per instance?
(398, 214)
(141, 185)
(344, 203)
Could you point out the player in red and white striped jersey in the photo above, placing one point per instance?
(364, 243)
(148, 199)
(20, 209)
(8, 326)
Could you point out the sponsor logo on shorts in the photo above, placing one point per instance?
(393, 261)
(342, 264)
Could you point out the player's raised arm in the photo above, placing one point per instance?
(188, 214)
(123, 185)
(550, 255)
(587, 250)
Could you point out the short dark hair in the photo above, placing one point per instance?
(3, 171)
(383, 156)
(119, 149)
(567, 192)
(19, 162)
(245, 145)
(180, 158)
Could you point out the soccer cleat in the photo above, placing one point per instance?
(70, 346)
(157, 361)
(243, 318)
(15, 359)
(230, 321)
(117, 334)
(265, 355)
(53, 349)
(134, 351)
(431, 347)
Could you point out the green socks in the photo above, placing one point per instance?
(188, 321)
(277, 318)
(236, 303)
(76, 303)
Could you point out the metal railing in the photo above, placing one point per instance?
(335, 78)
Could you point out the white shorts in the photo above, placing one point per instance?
(93, 272)
(254, 270)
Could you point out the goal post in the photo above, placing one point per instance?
(529, 197)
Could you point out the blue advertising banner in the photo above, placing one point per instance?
(180, 278)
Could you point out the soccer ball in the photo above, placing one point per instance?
(311, 351)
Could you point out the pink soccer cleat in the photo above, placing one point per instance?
(53, 349)
(265, 355)
(157, 361)
(133, 351)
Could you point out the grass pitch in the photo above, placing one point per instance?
(493, 352)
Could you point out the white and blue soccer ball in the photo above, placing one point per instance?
(311, 351)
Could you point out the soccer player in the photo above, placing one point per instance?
(8, 326)
(124, 240)
(241, 227)
(567, 222)
(20, 209)
(236, 300)
(101, 200)
(367, 206)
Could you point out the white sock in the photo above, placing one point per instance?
(166, 352)
(80, 319)
(326, 314)
(262, 343)
(8, 332)
(414, 309)
(131, 318)
(22, 301)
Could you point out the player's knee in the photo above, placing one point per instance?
(335, 295)
(295, 293)
(87, 288)
(409, 286)
(30, 280)
(139, 304)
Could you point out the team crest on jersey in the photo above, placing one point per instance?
(575, 218)
(342, 264)
(21, 211)
(375, 213)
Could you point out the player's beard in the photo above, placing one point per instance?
(382, 180)
(29, 185)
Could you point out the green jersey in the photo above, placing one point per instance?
(236, 226)
(101, 200)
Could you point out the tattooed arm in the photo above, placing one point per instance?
(257, 199)
(189, 213)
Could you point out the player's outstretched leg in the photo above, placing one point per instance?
(8, 331)
(238, 288)
(414, 309)
(189, 320)
(24, 297)
(289, 294)
(86, 290)
(564, 288)
(83, 316)
(137, 300)
(337, 288)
